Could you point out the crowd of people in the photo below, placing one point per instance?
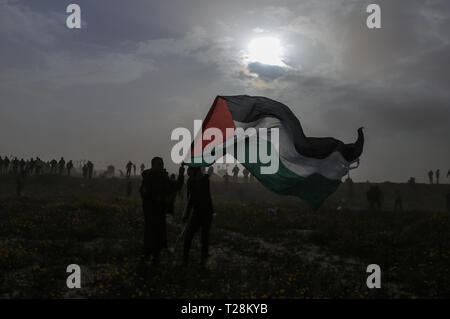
(375, 198)
(436, 174)
(35, 166)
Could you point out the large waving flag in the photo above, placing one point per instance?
(309, 167)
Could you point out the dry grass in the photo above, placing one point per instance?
(254, 253)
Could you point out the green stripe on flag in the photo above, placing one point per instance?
(314, 189)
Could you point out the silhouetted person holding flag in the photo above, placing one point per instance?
(156, 191)
(200, 206)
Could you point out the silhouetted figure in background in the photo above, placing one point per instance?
(15, 165)
(38, 166)
(142, 167)
(430, 176)
(200, 206)
(134, 170)
(85, 171)
(438, 173)
(156, 190)
(398, 203)
(90, 169)
(1, 165)
(53, 164)
(210, 171)
(235, 172)
(128, 168)
(246, 172)
(61, 165)
(69, 167)
(22, 165)
(374, 197)
(31, 166)
(6, 162)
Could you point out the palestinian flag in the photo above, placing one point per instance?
(309, 167)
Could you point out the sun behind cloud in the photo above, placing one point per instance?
(266, 50)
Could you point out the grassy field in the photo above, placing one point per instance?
(255, 253)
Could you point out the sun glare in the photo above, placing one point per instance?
(266, 51)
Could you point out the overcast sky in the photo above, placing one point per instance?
(115, 89)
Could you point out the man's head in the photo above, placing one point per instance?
(157, 163)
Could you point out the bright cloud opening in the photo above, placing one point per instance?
(266, 51)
